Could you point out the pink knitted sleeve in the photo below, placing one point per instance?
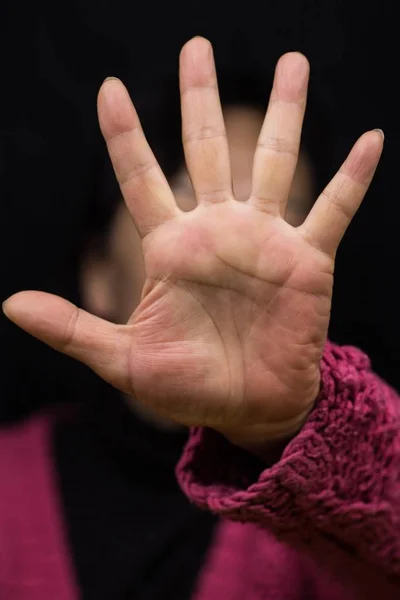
(337, 483)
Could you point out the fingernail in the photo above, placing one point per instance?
(4, 308)
(381, 132)
(111, 79)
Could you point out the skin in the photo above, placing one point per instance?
(112, 280)
(235, 307)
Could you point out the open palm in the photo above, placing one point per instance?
(235, 308)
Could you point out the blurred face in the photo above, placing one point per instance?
(112, 284)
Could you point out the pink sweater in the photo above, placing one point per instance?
(323, 523)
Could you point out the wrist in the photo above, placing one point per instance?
(267, 441)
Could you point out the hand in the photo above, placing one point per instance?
(235, 308)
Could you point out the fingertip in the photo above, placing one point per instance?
(378, 140)
(115, 109)
(45, 316)
(108, 84)
(4, 308)
(26, 305)
(381, 133)
(111, 78)
(374, 137)
(197, 45)
(295, 58)
(364, 157)
(370, 142)
(197, 63)
(11, 305)
(291, 78)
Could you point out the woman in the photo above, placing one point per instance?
(290, 432)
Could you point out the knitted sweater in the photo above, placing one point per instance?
(322, 523)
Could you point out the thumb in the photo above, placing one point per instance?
(99, 344)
